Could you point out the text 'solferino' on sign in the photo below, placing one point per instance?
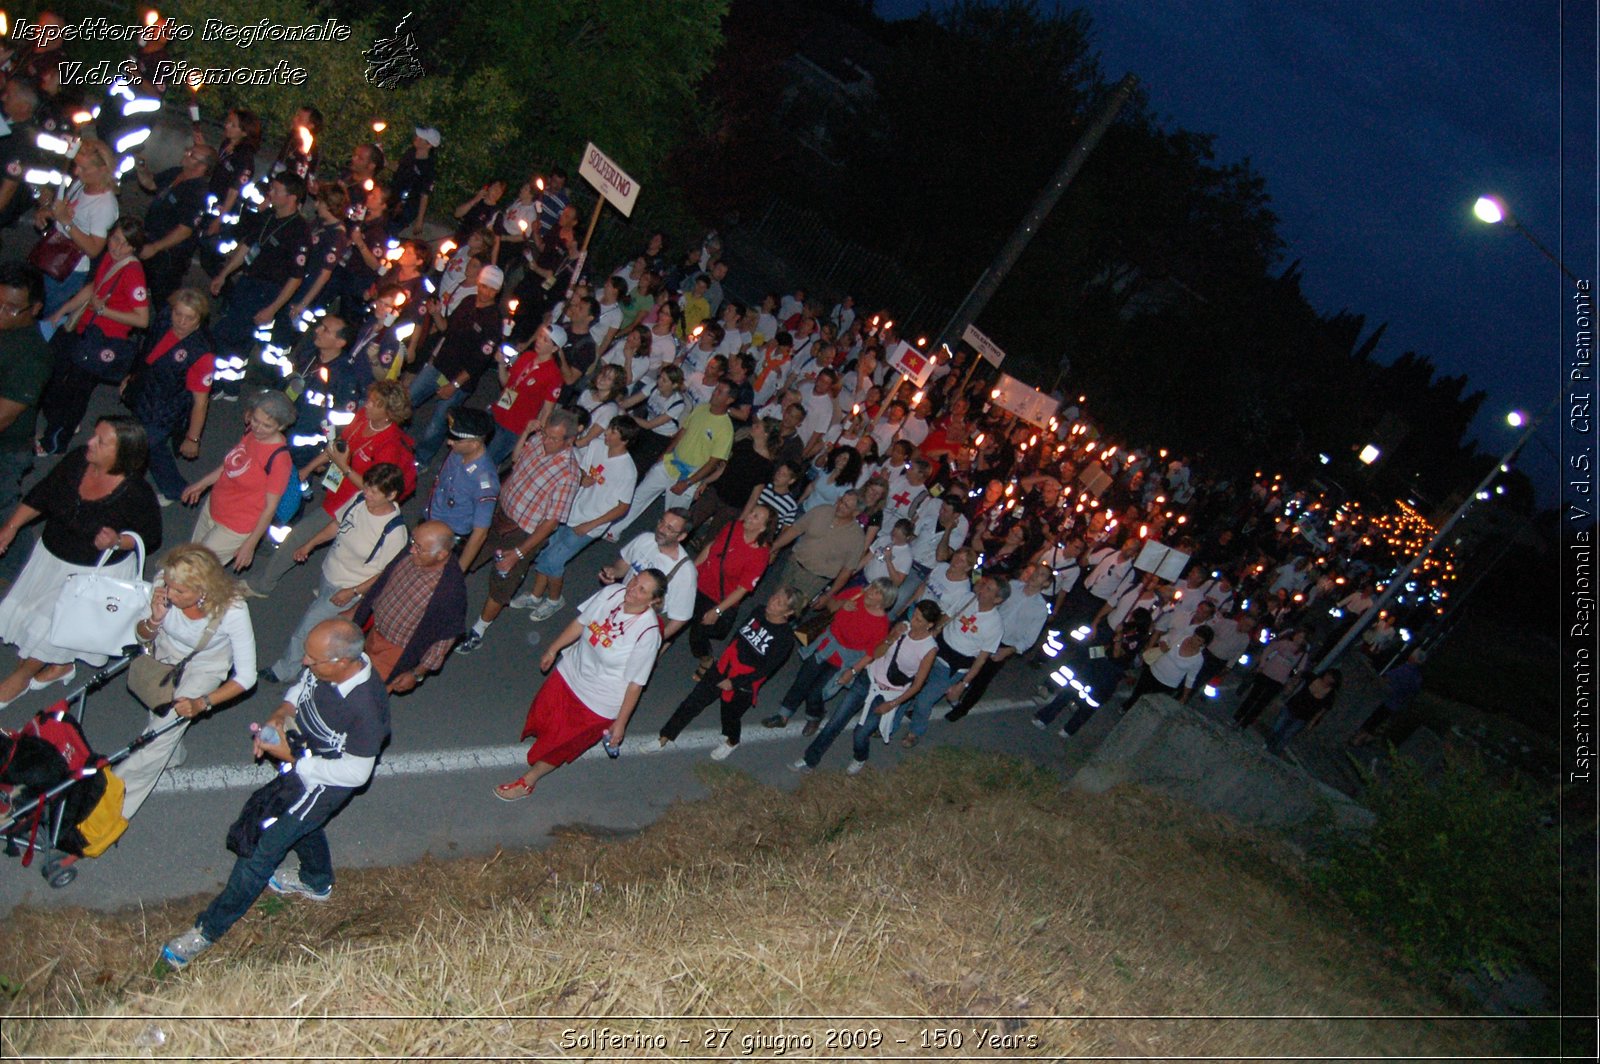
(609, 179)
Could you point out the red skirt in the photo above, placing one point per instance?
(565, 726)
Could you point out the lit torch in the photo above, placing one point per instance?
(195, 79)
(511, 309)
(442, 258)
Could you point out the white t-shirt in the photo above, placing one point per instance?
(950, 594)
(674, 406)
(610, 318)
(614, 648)
(972, 632)
(1022, 617)
(914, 430)
(925, 547)
(877, 566)
(642, 553)
(614, 481)
(819, 415)
(94, 214)
(364, 544)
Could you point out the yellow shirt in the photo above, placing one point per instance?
(705, 436)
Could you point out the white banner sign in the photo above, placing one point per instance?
(903, 358)
(608, 178)
(1161, 559)
(1029, 404)
(983, 345)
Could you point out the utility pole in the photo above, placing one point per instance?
(989, 281)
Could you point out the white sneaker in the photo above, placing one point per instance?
(1041, 725)
(725, 751)
(855, 767)
(800, 766)
(547, 609)
(527, 601)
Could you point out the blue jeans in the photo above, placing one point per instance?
(940, 679)
(811, 687)
(424, 386)
(1284, 728)
(163, 460)
(250, 874)
(855, 697)
(321, 609)
(501, 444)
(56, 294)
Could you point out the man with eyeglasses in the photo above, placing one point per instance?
(340, 714)
(535, 500)
(417, 608)
(173, 218)
(25, 366)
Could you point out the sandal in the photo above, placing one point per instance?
(516, 790)
(909, 741)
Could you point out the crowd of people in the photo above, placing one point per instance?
(906, 537)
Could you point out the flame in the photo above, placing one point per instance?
(522, 223)
(694, 334)
(305, 139)
(379, 125)
(367, 184)
(447, 247)
(151, 17)
(538, 183)
(922, 341)
(854, 410)
(888, 325)
(5, 25)
(80, 117)
(399, 300)
(196, 79)
(512, 306)
(915, 399)
(978, 440)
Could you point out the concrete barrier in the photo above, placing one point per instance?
(1172, 749)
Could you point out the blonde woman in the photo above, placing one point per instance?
(201, 653)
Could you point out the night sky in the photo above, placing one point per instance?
(1376, 126)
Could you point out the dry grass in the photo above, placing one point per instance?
(961, 886)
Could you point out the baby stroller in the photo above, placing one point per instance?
(56, 794)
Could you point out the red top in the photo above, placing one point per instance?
(124, 293)
(856, 629)
(742, 565)
(528, 387)
(367, 449)
(200, 374)
(251, 472)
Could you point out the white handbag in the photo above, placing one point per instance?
(96, 612)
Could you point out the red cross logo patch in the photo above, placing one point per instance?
(597, 473)
(903, 499)
(600, 633)
(969, 624)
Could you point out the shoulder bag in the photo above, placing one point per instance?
(155, 682)
(97, 612)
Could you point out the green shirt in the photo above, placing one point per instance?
(705, 436)
(25, 365)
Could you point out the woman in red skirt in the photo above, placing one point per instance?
(594, 689)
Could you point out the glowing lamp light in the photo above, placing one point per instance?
(1369, 454)
(1490, 209)
(1516, 419)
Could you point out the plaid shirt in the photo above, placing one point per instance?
(541, 486)
(399, 610)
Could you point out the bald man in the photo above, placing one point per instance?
(416, 610)
(338, 714)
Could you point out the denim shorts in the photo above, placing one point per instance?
(562, 546)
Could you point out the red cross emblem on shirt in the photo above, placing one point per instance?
(600, 633)
(597, 473)
(969, 623)
(903, 499)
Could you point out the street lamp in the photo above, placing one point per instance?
(1493, 210)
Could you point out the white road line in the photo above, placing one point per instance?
(426, 762)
